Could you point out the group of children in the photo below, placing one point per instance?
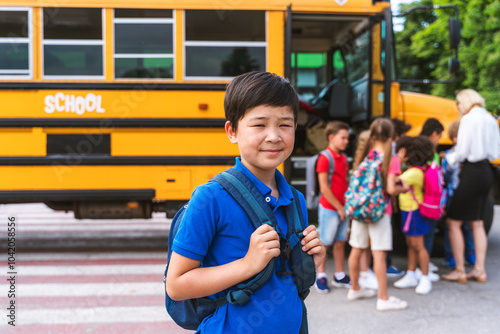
(400, 153)
(216, 246)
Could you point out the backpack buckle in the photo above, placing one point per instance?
(284, 257)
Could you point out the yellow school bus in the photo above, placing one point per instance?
(114, 108)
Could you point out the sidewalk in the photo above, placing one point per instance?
(449, 308)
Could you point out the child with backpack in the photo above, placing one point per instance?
(432, 129)
(332, 223)
(366, 205)
(417, 151)
(216, 246)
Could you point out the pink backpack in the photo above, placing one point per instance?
(432, 207)
(434, 195)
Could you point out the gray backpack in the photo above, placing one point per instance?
(313, 193)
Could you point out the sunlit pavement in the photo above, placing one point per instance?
(103, 291)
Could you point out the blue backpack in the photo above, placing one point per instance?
(190, 313)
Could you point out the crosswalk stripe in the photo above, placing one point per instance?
(94, 315)
(90, 262)
(90, 256)
(90, 270)
(60, 222)
(102, 227)
(33, 303)
(88, 289)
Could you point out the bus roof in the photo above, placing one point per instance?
(317, 6)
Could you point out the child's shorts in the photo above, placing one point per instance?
(330, 227)
(418, 225)
(379, 234)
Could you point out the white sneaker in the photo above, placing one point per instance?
(368, 280)
(407, 281)
(361, 293)
(433, 267)
(432, 276)
(392, 303)
(424, 286)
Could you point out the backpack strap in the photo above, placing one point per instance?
(302, 264)
(295, 220)
(406, 226)
(258, 210)
(331, 164)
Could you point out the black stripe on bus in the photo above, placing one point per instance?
(95, 160)
(83, 144)
(23, 196)
(113, 123)
(111, 86)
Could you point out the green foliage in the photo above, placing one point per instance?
(423, 48)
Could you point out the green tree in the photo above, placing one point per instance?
(423, 49)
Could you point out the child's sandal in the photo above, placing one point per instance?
(455, 276)
(477, 275)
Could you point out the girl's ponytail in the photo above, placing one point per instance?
(362, 148)
(382, 130)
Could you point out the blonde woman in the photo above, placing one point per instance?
(478, 142)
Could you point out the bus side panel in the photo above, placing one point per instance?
(112, 104)
(171, 183)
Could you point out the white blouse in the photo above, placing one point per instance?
(478, 138)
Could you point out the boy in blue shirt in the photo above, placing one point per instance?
(216, 246)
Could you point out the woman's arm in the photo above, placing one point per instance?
(465, 138)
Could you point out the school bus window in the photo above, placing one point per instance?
(339, 70)
(357, 57)
(223, 44)
(144, 46)
(15, 43)
(309, 73)
(73, 42)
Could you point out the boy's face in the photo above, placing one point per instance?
(340, 140)
(265, 137)
(401, 154)
(435, 137)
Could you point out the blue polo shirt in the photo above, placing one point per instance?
(215, 230)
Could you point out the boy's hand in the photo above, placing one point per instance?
(404, 186)
(264, 245)
(341, 213)
(313, 246)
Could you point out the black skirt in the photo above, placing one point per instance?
(468, 201)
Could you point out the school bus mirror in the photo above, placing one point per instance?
(454, 32)
(453, 65)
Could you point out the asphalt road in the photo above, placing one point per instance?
(449, 308)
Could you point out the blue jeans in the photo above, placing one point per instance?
(330, 227)
(468, 239)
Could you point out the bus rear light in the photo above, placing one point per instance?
(132, 205)
(203, 106)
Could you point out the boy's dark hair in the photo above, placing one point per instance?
(404, 142)
(400, 127)
(333, 127)
(253, 89)
(431, 125)
(419, 150)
